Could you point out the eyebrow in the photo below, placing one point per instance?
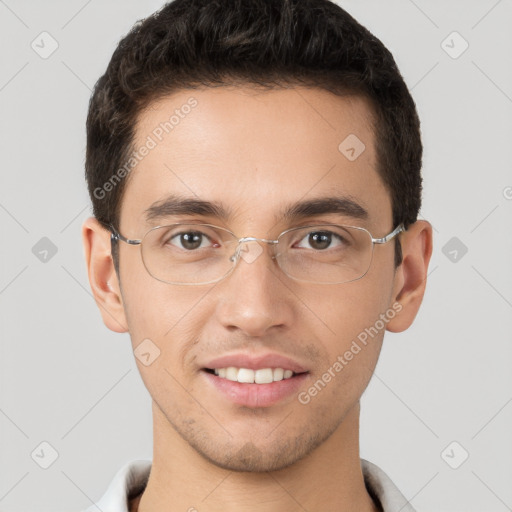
(325, 205)
(178, 205)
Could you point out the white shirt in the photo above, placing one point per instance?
(132, 478)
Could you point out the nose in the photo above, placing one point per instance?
(254, 298)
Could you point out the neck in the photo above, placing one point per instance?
(182, 480)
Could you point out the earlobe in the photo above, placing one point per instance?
(411, 275)
(102, 276)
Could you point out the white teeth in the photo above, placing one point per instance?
(278, 374)
(246, 375)
(231, 373)
(264, 376)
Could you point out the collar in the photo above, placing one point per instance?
(132, 478)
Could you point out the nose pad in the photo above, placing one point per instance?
(234, 257)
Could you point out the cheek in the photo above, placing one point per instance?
(153, 308)
(351, 326)
(352, 342)
(346, 310)
(161, 330)
(161, 318)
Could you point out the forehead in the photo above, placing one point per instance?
(255, 151)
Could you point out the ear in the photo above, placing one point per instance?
(102, 275)
(411, 275)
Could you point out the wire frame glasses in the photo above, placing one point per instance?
(197, 254)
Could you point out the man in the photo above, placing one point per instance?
(254, 168)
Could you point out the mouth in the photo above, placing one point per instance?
(259, 388)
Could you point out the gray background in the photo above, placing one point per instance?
(68, 381)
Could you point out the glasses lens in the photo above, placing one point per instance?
(188, 253)
(328, 253)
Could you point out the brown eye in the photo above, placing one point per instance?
(320, 240)
(189, 240)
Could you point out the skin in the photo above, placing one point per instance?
(248, 148)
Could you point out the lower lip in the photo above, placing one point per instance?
(256, 395)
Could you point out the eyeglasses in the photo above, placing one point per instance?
(197, 254)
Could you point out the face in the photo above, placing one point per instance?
(256, 153)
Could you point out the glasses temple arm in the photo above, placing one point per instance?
(391, 235)
(116, 236)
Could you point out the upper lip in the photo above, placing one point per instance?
(255, 362)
